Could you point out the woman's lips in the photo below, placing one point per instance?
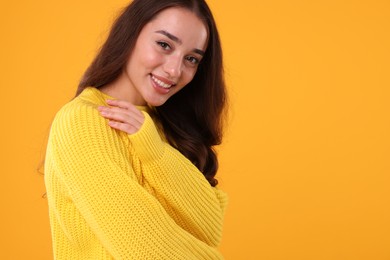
(161, 85)
(162, 82)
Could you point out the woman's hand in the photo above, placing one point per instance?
(122, 115)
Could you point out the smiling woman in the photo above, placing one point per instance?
(164, 60)
(130, 167)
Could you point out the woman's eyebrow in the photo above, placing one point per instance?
(200, 52)
(170, 36)
(176, 39)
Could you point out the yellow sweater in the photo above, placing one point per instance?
(117, 196)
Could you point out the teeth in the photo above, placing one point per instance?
(160, 83)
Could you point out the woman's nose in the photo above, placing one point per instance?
(173, 67)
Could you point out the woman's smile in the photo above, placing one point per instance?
(161, 82)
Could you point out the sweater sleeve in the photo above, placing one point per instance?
(198, 206)
(129, 222)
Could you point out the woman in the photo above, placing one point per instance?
(130, 164)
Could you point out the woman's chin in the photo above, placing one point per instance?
(156, 102)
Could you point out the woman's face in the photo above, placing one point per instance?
(166, 56)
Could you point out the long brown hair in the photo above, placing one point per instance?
(192, 119)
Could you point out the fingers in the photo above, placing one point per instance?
(126, 105)
(130, 129)
(122, 104)
(122, 115)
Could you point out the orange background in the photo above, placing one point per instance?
(306, 155)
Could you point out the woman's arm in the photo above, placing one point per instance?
(128, 220)
(179, 186)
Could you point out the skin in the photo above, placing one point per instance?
(164, 60)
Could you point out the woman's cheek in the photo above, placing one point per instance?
(153, 57)
(188, 75)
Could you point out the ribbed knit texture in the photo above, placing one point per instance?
(117, 196)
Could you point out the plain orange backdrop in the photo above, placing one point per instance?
(306, 154)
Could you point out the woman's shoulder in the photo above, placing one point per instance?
(81, 112)
(84, 105)
(79, 123)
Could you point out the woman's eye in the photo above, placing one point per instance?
(193, 60)
(164, 45)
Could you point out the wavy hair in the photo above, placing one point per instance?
(192, 119)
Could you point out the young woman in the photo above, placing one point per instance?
(130, 167)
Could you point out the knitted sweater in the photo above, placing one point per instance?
(112, 195)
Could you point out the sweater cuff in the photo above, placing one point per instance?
(147, 142)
